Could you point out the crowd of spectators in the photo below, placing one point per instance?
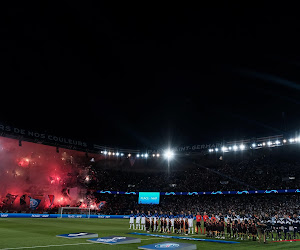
(261, 170)
(221, 173)
(212, 204)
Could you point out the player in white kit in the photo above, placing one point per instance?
(167, 222)
(172, 218)
(143, 221)
(138, 220)
(131, 220)
(154, 220)
(190, 222)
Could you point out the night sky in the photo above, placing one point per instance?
(146, 76)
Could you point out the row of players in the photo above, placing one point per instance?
(237, 226)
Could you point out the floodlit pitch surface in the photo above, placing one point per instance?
(38, 233)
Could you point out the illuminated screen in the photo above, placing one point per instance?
(149, 197)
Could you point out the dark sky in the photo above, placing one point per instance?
(140, 77)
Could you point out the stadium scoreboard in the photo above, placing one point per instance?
(149, 197)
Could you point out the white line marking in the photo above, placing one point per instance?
(150, 239)
(46, 246)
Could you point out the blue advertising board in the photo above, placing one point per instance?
(149, 197)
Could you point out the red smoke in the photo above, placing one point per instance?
(38, 171)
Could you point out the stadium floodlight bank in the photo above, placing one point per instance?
(75, 212)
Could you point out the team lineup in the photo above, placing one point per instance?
(231, 226)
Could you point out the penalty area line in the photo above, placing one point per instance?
(75, 244)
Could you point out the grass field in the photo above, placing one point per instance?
(38, 233)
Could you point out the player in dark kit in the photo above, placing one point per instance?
(161, 218)
(286, 227)
(277, 226)
(222, 229)
(186, 226)
(151, 224)
(252, 230)
(228, 228)
(269, 227)
(165, 224)
(182, 225)
(296, 225)
(147, 224)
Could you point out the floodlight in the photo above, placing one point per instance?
(242, 147)
(157, 155)
(122, 154)
(269, 143)
(146, 155)
(138, 155)
(235, 147)
(253, 145)
(169, 154)
(216, 149)
(105, 152)
(117, 154)
(277, 142)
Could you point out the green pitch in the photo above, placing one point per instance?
(37, 233)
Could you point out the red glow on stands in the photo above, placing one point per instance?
(24, 162)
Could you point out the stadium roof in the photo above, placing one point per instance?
(153, 77)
